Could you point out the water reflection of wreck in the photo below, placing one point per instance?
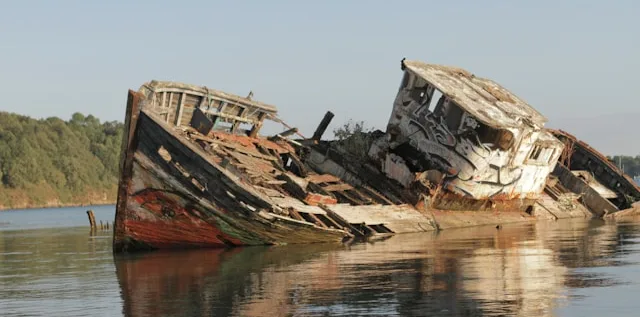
(521, 270)
(459, 150)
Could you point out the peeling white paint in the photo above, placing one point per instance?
(486, 140)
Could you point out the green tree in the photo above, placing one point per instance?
(62, 160)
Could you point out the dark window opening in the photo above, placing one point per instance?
(439, 110)
(453, 116)
(535, 153)
(421, 91)
(494, 138)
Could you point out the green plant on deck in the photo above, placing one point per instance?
(354, 138)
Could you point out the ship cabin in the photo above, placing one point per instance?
(483, 142)
(206, 109)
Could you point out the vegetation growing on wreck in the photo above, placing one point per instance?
(51, 162)
(355, 138)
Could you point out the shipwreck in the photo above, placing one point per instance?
(458, 150)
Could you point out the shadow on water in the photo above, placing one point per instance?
(527, 270)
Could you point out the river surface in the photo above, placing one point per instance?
(50, 265)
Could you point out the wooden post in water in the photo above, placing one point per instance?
(92, 219)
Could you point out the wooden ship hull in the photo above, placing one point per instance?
(172, 194)
(195, 172)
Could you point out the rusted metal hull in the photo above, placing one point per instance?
(162, 204)
(579, 156)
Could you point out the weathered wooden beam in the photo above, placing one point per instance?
(257, 125)
(213, 95)
(341, 221)
(322, 178)
(374, 195)
(276, 119)
(318, 221)
(289, 132)
(331, 220)
(295, 215)
(230, 116)
(322, 127)
(169, 106)
(236, 123)
(274, 182)
(180, 109)
(284, 134)
(338, 187)
(302, 170)
(129, 142)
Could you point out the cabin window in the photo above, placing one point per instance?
(535, 154)
(453, 116)
(494, 138)
(420, 90)
(451, 113)
(541, 154)
(436, 96)
(441, 106)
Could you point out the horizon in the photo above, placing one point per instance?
(309, 58)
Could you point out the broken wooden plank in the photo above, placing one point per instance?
(343, 222)
(295, 214)
(330, 220)
(274, 182)
(238, 148)
(257, 125)
(236, 123)
(397, 218)
(318, 221)
(322, 178)
(337, 187)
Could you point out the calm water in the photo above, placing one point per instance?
(565, 268)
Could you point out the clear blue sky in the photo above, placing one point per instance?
(576, 61)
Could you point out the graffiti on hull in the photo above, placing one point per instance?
(451, 143)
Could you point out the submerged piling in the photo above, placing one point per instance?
(92, 219)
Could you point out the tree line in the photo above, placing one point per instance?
(52, 160)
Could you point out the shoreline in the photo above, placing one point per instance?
(53, 206)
